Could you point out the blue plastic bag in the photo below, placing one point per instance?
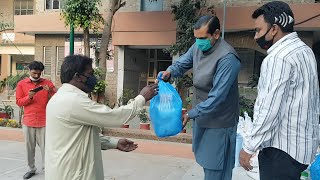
(166, 111)
(315, 169)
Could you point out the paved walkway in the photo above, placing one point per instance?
(152, 160)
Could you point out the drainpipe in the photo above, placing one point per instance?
(224, 17)
(71, 39)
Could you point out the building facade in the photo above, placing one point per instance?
(140, 31)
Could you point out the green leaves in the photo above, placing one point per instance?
(186, 13)
(246, 105)
(101, 84)
(143, 116)
(83, 14)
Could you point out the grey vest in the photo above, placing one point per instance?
(204, 68)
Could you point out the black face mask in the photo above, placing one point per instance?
(91, 82)
(263, 43)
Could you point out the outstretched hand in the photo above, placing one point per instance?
(126, 145)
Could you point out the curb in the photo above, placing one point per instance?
(16, 134)
(146, 134)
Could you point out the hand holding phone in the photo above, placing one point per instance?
(32, 92)
(37, 89)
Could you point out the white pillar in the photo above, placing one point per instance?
(120, 71)
(9, 67)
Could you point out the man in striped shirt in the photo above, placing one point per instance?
(286, 113)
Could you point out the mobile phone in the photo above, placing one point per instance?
(37, 89)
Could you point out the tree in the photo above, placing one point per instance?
(186, 13)
(112, 7)
(83, 14)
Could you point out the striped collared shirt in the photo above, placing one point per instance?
(286, 112)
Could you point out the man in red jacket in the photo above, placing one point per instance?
(33, 94)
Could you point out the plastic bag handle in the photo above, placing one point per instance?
(160, 76)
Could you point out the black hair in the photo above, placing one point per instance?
(73, 64)
(212, 21)
(276, 12)
(36, 65)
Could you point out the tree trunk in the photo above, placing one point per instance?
(86, 42)
(106, 36)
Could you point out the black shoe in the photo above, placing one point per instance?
(28, 175)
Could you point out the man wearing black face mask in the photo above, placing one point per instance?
(33, 94)
(286, 111)
(73, 147)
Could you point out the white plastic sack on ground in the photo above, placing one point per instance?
(244, 127)
(239, 140)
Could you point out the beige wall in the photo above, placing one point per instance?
(134, 5)
(5, 66)
(51, 41)
(19, 38)
(7, 11)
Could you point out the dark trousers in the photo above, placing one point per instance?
(275, 164)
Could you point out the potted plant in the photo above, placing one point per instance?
(144, 119)
(7, 112)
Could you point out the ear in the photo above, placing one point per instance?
(216, 34)
(77, 77)
(275, 29)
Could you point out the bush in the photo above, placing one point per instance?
(246, 105)
(126, 96)
(9, 123)
(13, 80)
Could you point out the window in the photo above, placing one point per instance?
(163, 65)
(60, 58)
(47, 53)
(23, 7)
(147, 5)
(151, 69)
(54, 4)
(161, 55)
(21, 66)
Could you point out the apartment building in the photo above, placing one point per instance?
(140, 30)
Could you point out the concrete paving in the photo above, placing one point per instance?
(137, 165)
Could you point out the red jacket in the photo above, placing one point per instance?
(35, 108)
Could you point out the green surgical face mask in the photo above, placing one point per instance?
(203, 44)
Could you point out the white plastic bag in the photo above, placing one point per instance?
(245, 126)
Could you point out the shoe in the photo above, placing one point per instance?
(28, 175)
